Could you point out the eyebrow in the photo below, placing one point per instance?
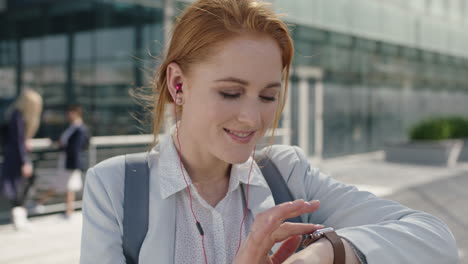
(245, 83)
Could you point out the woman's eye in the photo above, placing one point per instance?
(268, 98)
(232, 96)
(229, 95)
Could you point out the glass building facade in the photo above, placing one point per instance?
(375, 91)
(87, 52)
(385, 64)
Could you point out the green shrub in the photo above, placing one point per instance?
(440, 128)
(460, 128)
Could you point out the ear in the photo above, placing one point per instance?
(174, 76)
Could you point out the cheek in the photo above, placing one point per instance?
(223, 110)
(210, 110)
(268, 114)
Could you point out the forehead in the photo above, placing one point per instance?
(253, 57)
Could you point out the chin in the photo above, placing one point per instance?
(238, 160)
(237, 157)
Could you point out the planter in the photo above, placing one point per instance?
(464, 153)
(436, 153)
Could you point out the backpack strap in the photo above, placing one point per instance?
(277, 184)
(136, 199)
(136, 205)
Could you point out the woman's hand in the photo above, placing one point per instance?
(269, 228)
(28, 145)
(26, 170)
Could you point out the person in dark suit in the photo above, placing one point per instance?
(17, 171)
(72, 142)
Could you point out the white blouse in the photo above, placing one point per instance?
(221, 226)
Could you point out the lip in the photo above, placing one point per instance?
(237, 139)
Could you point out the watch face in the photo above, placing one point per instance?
(311, 238)
(323, 231)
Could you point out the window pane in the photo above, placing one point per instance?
(115, 43)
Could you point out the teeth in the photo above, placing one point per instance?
(239, 134)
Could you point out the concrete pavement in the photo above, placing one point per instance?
(439, 191)
(51, 239)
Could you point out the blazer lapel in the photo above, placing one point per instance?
(260, 199)
(161, 230)
(260, 196)
(159, 242)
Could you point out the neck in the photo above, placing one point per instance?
(203, 168)
(77, 121)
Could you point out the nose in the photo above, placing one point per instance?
(250, 114)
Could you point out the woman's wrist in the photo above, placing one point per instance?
(321, 252)
(324, 250)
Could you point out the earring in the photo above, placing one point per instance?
(179, 100)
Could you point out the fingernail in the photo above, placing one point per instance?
(298, 202)
(313, 202)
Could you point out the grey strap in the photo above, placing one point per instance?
(277, 184)
(136, 205)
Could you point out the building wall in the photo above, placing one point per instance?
(374, 90)
(437, 25)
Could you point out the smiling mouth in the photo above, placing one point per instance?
(240, 137)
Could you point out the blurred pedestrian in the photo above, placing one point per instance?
(72, 143)
(17, 173)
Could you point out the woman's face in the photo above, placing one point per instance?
(232, 97)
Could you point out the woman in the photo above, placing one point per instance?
(226, 69)
(17, 171)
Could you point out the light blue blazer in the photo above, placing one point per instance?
(384, 231)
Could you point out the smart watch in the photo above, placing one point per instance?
(330, 234)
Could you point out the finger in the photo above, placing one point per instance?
(292, 209)
(293, 229)
(286, 249)
(266, 222)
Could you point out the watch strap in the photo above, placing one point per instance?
(338, 247)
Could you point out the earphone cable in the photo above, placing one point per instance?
(199, 227)
(198, 224)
